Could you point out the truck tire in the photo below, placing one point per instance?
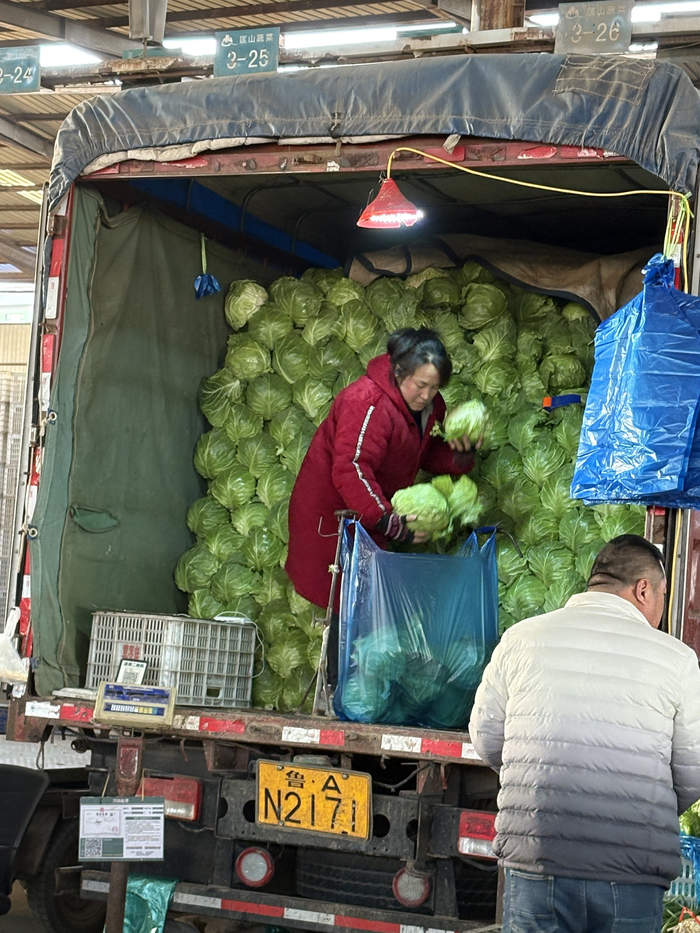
(66, 912)
(364, 880)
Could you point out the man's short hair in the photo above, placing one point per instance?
(624, 560)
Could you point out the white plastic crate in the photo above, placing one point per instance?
(210, 663)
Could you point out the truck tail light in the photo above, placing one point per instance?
(477, 831)
(183, 795)
(410, 888)
(254, 867)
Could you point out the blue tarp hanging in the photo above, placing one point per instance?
(640, 440)
(647, 111)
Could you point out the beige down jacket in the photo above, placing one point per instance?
(592, 718)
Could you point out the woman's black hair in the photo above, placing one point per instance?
(412, 347)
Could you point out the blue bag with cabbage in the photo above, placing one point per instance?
(639, 439)
(416, 631)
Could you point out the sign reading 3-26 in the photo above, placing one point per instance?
(19, 70)
(246, 51)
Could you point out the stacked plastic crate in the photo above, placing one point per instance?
(12, 388)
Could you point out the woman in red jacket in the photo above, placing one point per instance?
(375, 439)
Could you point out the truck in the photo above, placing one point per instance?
(274, 169)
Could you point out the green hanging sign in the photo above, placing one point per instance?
(19, 70)
(246, 51)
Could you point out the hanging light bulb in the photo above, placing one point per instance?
(389, 210)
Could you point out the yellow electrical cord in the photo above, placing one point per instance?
(672, 586)
(672, 235)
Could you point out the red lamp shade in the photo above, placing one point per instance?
(390, 209)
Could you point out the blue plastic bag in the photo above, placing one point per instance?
(416, 631)
(639, 439)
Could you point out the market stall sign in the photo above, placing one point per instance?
(119, 829)
(19, 69)
(323, 800)
(590, 28)
(246, 51)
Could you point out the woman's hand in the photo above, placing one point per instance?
(463, 445)
(419, 537)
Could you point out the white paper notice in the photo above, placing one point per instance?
(119, 829)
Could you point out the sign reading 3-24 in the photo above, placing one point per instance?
(246, 51)
(19, 70)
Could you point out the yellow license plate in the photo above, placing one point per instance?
(324, 800)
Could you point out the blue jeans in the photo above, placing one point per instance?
(535, 903)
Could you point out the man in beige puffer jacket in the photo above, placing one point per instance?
(592, 717)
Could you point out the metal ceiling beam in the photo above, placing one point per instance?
(26, 16)
(20, 136)
(4, 226)
(25, 166)
(235, 12)
(16, 255)
(26, 116)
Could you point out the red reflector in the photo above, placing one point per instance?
(183, 795)
(476, 833)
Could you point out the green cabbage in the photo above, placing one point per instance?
(529, 349)
(337, 357)
(242, 605)
(519, 499)
(295, 689)
(360, 324)
(537, 528)
(299, 299)
(204, 515)
(568, 430)
(561, 590)
(542, 458)
(231, 580)
(446, 323)
(291, 358)
(532, 387)
(498, 378)
(268, 394)
(425, 502)
(202, 605)
(214, 454)
(376, 347)
(495, 430)
(496, 341)
(242, 422)
(583, 558)
(443, 484)
(287, 654)
(218, 394)
(323, 279)
(273, 586)
(279, 521)
(577, 528)
(246, 358)
(524, 427)
(555, 494)
(269, 325)
(386, 294)
(267, 690)
(224, 542)
(275, 620)
(532, 308)
(327, 323)
(257, 454)
(292, 455)
(463, 501)
(576, 312)
(314, 397)
(275, 485)
(344, 290)
(562, 371)
(466, 420)
(550, 563)
(249, 516)
(615, 520)
(511, 564)
(440, 292)
(502, 468)
(525, 597)
(242, 301)
(288, 424)
(195, 568)
(425, 275)
(483, 305)
(261, 550)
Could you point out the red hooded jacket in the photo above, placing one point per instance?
(368, 447)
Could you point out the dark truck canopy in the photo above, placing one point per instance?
(117, 471)
(645, 110)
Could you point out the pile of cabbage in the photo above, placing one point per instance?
(293, 347)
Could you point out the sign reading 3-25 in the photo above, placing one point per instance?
(246, 51)
(19, 70)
